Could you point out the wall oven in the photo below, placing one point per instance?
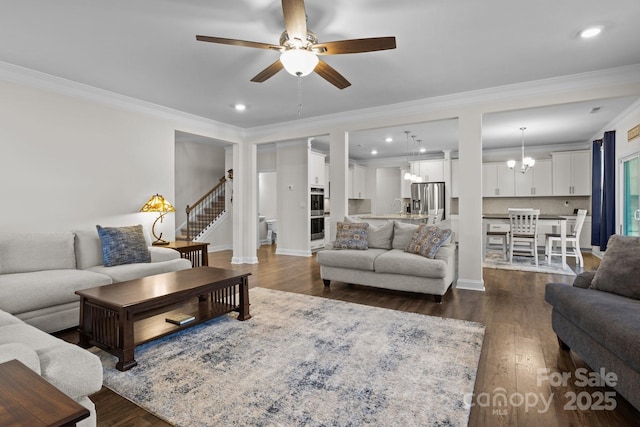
(317, 201)
(317, 213)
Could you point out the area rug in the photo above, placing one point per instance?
(495, 259)
(307, 361)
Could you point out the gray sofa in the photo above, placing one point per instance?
(71, 369)
(386, 264)
(40, 272)
(599, 316)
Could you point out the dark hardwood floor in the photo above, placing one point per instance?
(518, 342)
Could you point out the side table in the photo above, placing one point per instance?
(27, 399)
(196, 252)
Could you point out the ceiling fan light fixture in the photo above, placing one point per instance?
(299, 62)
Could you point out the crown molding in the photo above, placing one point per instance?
(361, 119)
(24, 76)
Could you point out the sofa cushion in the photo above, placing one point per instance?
(619, 269)
(123, 245)
(351, 236)
(73, 370)
(159, 254)
(397, 261)
(22, 353)
(88, 248)
(26, 252)
(402, 234)
(427, 240)
(379, 236)
(8, 319)
(21, 292)
(350, 258)
(595, 312)
(122, 273)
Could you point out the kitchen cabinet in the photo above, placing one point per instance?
(429, 170)
(316, 169)
(497, 180)
(571, 173)
(536, 181)
(358, 182)
(455, 178)
(327, 181)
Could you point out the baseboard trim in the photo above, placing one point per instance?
(292, 252)
(219, 248)
(470, 285)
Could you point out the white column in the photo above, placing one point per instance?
(447, 185)
(470, 201)
(338, 169)
(245, 204)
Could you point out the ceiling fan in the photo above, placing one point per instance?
(299, 48)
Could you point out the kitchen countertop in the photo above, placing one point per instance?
(394, 216)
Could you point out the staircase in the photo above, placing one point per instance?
(204, 213)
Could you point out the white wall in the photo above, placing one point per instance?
(268, 194)
(293, 199)
(388, 188)
(198, 169)
(69, 162)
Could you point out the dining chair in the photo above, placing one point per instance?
(524, 230)
(573, 238)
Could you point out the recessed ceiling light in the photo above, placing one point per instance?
(389, 139)
(240, 107)
(590, 32)
(374, 151)
(423, 150)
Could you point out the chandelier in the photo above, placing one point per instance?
(525, 163)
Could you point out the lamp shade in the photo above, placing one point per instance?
(299, 62)
(157, 203)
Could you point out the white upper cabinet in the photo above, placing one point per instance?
(571, 173)
(358, 183)
(429, 170)
(536, 181)
(316, 169)
(497, 180)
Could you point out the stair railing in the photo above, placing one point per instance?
(205, 209)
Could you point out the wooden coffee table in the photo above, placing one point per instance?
(118, 317)
(27, 399)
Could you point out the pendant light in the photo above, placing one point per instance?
(526, 162)
(407, 174)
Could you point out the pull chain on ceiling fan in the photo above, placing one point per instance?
(300, 49)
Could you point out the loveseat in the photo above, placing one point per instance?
(40, 272)
(385, 263)
(73, 370)
(598, 316)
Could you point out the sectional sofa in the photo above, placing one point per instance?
(40, 272)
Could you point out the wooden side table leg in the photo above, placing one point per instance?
(244, 300)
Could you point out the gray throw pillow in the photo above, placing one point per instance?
(351, 236)
(427, 240)
(380, 236)
(402, 234)
(123, 245)
(619, 270)
(584, 279)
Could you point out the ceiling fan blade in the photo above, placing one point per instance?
(236, 42)
(295, 19)
(355, 46)
(268, 72)
(328, 73)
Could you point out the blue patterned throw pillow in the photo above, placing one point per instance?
(427, 239)
(351, 236)
(123, 245)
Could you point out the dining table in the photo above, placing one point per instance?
(553, 220)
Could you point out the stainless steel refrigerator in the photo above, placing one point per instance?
(426, 197)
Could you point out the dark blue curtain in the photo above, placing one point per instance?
(596, 192)
(608, 218)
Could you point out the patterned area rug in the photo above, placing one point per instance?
(495, 259)
(312, 361)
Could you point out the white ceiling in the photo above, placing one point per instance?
(147, 49)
